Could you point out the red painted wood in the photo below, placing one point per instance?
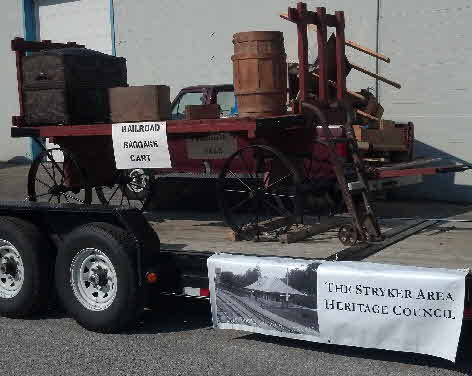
(212, 126)
(302, 51)
(244, 125)
(340, 57)
(322, 56)
(413, 172)
(75, 130)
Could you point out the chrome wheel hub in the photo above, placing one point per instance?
(139, 180)
(11, 270)
(93, 279)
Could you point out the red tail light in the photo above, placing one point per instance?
(468, 313)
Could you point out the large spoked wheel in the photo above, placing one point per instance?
(56, 177)
(258, 186)
(132, 188)
(96, 277)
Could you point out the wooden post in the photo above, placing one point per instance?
(322, 32)
(340, 56)
(302, 51)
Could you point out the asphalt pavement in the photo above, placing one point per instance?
(177, 339)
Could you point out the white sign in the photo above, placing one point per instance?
(360, 304)
(391, 307)
(215, 146)
(141, 145)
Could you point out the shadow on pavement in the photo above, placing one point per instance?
(174, 314)
(463, 362)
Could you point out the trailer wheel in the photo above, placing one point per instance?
(96, 278)
(25, 272)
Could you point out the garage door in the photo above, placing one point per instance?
(83, 21)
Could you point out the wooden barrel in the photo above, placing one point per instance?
(260, 73)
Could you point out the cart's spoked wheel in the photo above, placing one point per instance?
(258, 192)
(348, 235)
(132, 188)
(56, 177)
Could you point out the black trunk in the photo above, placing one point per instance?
(69, 86)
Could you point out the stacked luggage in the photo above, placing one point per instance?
(70, 86)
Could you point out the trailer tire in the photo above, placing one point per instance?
(96, 278)
(25, 268)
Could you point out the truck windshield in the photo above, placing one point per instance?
(226, 101)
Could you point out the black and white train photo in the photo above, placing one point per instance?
(266, 295)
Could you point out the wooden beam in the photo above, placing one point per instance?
(367, 51)
(301, 232)
(380, 78)
(366, 115)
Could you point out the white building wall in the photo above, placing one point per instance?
(182, 43)
(11, 21)
(84, 21)
(430, 45)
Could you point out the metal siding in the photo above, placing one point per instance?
(429, 43)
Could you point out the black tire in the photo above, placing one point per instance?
(119, 248)
(36, 256)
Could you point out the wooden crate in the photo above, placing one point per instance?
(386, 138)
(139, 103)
(204, 111)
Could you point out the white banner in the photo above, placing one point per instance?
(141, 145)
(391, 307)
(348, 303)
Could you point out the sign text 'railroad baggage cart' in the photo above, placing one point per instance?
(141, 145)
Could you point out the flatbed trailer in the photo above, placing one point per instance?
(40, 241)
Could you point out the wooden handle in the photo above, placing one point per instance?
(366, 115)
(380, 78)
(367, 51)
(333, 84)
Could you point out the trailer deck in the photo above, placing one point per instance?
(440, 240)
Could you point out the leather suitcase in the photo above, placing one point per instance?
(139, 103)
(69, 86)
